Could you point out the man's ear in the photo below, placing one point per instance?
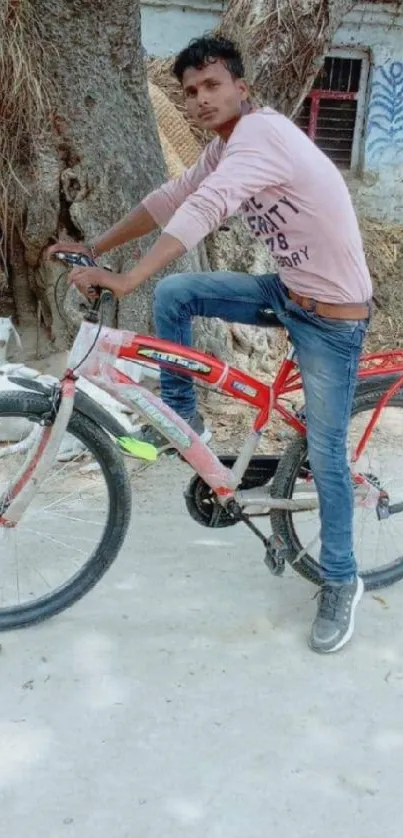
(244, 90)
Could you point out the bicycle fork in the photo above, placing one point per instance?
(25, 485)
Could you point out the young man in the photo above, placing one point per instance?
(296, 202)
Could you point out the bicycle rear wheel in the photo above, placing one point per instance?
(75, 525)
(378, 544)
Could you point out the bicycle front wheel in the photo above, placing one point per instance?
(378, 543)
(76, 523)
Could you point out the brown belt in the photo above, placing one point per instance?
(337, 311)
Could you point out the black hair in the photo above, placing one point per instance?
(207, 50)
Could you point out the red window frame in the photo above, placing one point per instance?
(320, 96)
(315, 97)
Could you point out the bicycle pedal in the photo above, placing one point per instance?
(139, 450)
(276, 554)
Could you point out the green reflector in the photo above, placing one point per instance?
(142, 450)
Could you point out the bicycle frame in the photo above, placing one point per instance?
(94, 356)
(112, 345)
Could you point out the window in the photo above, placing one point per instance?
(333, 113)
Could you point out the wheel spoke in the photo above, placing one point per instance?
(57, 541)
(72, 518)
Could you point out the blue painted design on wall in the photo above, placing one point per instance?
(384, 143)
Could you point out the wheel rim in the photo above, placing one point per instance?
(62, 528)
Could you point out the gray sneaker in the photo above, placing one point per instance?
(333, 625)
(149, 434)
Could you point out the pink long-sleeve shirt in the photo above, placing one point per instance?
(292, 197)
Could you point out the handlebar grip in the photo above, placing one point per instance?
(107, 296)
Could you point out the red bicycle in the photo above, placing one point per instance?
(62, 524)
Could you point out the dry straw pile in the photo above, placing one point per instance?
(24, 104)
(160, 74)
(180, 147)
(383, 245)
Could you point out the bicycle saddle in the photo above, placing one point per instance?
(269, 318)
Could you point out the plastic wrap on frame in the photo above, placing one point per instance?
(100, 369)
(171, 425)
(94, 355)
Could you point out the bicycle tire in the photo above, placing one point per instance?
(27, 404)
(281, 520)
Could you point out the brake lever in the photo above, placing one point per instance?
(102, 295)
(75, 259)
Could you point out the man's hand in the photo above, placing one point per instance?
(86, 278)
(163, 252)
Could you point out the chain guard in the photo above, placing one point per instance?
(204, 507)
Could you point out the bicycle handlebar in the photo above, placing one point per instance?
(103, 295)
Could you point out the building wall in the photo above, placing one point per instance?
(167, 25)
(378, 27)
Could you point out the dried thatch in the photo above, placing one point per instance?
(383, 244)
(159, 71)
(174, 126)
(24, 100)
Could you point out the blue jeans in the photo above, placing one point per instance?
(328, 354)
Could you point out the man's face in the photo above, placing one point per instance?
(213, 96)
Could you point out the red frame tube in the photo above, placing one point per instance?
(157, 353)
(387, 396)
(239, 385)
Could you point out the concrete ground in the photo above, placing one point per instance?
(179, 698)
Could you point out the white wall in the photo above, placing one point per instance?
(168, 25)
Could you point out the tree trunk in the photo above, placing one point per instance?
(100, 156)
